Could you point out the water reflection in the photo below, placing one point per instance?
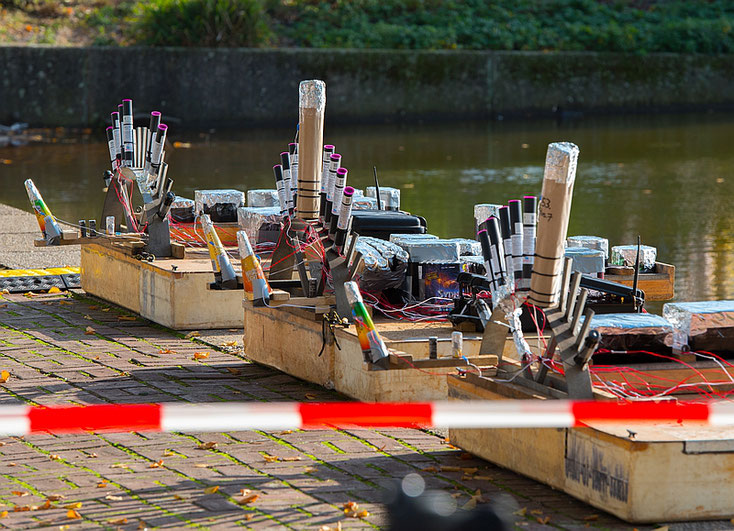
(667, 178)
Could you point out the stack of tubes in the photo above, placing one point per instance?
(508, 244)
(336, 197)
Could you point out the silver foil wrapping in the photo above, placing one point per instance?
(473, 264)
(589, 242)
(209, 198)
(364, 203)
(390, 197)
(589, 261)
(625, 255)
(262, 198)
(633, 331)
(484, 210)
(430, 250)
(385, 264)
(182, 202)
(312, 94)
(706, 325)
(408, 238)
(467, 247)
(252, 219)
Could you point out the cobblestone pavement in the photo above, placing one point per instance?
(62, 350)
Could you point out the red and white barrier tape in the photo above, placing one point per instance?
(182, 417)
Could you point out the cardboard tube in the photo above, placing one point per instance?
(553, 214)
(311, 104)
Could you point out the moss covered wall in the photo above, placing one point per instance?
(241, 87)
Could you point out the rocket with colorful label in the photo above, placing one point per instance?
(49, 227)
(253, 277)
(373, 347)
(223, 270)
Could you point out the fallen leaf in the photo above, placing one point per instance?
(102, 484)
(249, 498)
(4, 376)
(89, 331)
(201, 465)
(192, 334)
(482, 478)
(3, 514)
(310, 396)
(286, 432)
(12, 464)
(310, 469)
(29, 295)
(201, 355)
(211, 490)
(350, 506)
(450, 469)
(2, 444)
(71, 514)
(112, 497)
(54, 457)
(475, 498)
(20, 493)
(88, 317)
(126, 318)
(66, 303)
(21, 508)
(119, 465)
(117, 521)
(536, 511)
(3, 305)
(544, 521)
(106, 309)
(166, 351)
(429, 469)
(207, 445)
(55, 497)
(54, 289)
(169, 453)
(178, 497)
(595, 517)
(157, 464)
(270, 458)
(521, 512)
(249, 517)
(93, 455)
(229, 344)
(362, 514)
(468, 470)
(233, 370)
(77, 505)
(289, 459)
(142, 525)
(465, 456)
(46, 505)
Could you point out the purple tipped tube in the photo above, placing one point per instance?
(285, 162)
(529, 223)
(279, 185)
(155, 121)
(334, 164)
(339, 184)
(345, 212)
(328, 150)
(516, 225)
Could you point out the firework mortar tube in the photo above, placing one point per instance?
(117, 137)
(529, 221)
(293, 158)
(344, 214)
(279, 185)
(517, 230)
(155, 121)
(311, 108)
(335, 161)
(253, 277)
(483, 238)
(128, 139)
(373, 347)
(328, 150)
(156, 150)
(285, 162)
(223, 270)
(506, 232)
(339, 184)
(111, 146)
(497, 254)
(49, 227)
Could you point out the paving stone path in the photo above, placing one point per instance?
(79, 350)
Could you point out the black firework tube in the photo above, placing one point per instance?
(111, 146)
(344, 214)
(334, 164)
(328, 150)
(529, 223)
(156, 151)
(285, 162)
(155, 121)
(497, 253)
(282, 198)
(92, 228)
(506, 231)
(483, 238)
(517, 229)
(293, 160)
(83, 228)
(339, 183)
(128, 139)
(116, 135)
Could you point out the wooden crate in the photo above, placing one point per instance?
(290, 339)
(190, 232)
(169, 291)
(658, 285)
(662, 472)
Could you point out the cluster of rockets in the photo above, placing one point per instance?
(335, 205)
(508, 243)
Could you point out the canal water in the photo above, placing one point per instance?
(669, 179)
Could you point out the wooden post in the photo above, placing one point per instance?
(312, 104)
(553, 214)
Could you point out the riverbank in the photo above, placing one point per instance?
(238, 87)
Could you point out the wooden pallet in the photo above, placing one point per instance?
(640, 473)
(290, 340)
(169, 291)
